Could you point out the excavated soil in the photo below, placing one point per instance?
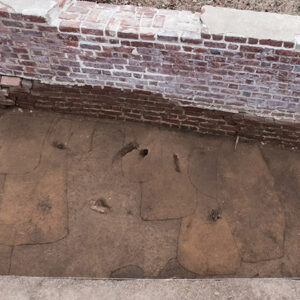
(87, 197)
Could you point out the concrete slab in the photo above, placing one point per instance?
(246, 23)
(25, 288)
(48, 9)
(31, 7)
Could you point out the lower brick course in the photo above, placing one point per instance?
(150, 108)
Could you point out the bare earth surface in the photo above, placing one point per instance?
(86, 197)
(291, 7)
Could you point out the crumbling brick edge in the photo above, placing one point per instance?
(144, 107)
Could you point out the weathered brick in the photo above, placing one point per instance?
(252, 41)
(205, 36)
(128, 35)
(12, 23)
(10, 81)
(91, 47)
(234, 39)
(288, 45)
(217, 37)
(214, 45)
(159, 21)
(271, 43)
(4, 13)
(34, 19)
(69, 26)
(92, 31)
(68, 16)
(191, 38)
(251, 49)
(167, 36)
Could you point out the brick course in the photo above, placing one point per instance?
(153, 52)
(143, 106)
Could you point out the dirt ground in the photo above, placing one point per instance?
(87, 197)
(277, 6)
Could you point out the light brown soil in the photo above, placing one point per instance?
(82, 197)
(276, 6)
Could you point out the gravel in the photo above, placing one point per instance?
(277, 6)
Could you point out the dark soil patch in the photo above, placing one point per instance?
(126, 149)
(176, 163)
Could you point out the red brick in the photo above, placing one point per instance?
(271, 43)
(172, 47)
(69, 26)
(233, 47)
(12, 23)
(200, 50)
(167, 37)
(194, 41)
(142, 44)
(217, 37)
(287, 53)
(34, 19)
(205, 36)
(47, 29)
(4, 12)
(147, 36)
(214, 45)
(97, 32)
(235, 39)
(288, 45)
(128, 35)
(252, 41)
(67, 37)
(251, 49)
(10, 81)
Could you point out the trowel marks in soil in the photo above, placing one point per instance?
(176, 163)
(125, 150)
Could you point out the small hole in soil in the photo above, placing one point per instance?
(214, 215)
(58, 145)
(144, 152)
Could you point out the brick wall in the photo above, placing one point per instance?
(165, 55)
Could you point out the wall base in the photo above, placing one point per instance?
(144, 107)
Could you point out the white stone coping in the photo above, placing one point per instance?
(218, 20)
(247, 23)
(31, 7)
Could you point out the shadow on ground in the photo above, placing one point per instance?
(85, 197)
